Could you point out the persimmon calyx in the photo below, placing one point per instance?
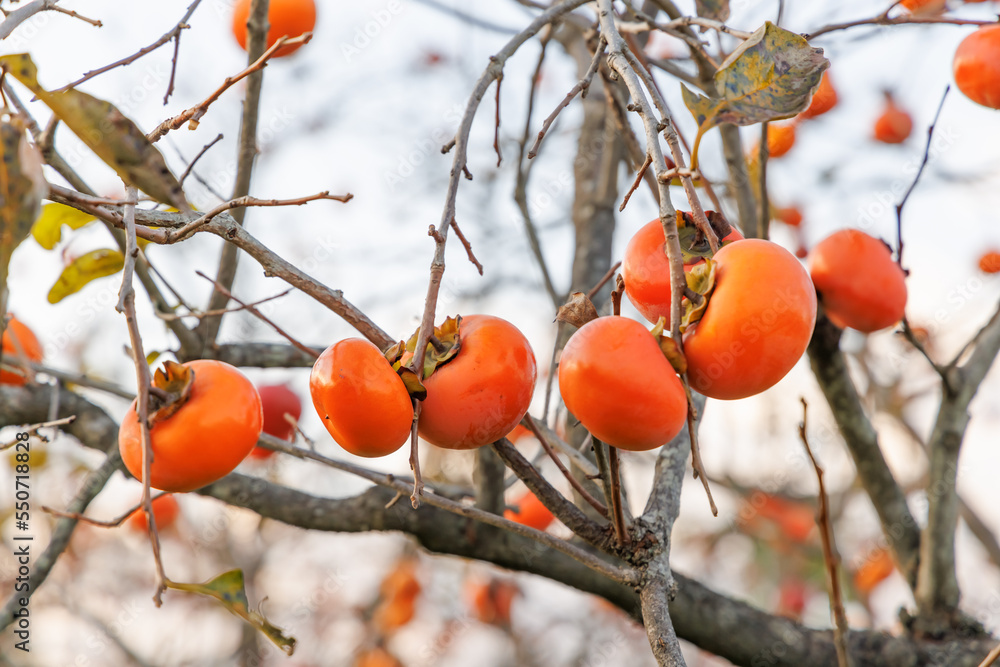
(578, 310)
(399, 358)
(669, 346)
(176, 381)
(700, 280)
(694, 244)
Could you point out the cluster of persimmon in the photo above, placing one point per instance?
(748, 314)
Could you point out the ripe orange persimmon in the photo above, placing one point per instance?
(824, 99)
(277, 401)
(876, 569)
(491, 600)
(780, 138)
(859, 283)
(757, 324)
(363, 402)
(989, 262)
(894, 125)
(518, 433)
(615, 379)
(977, 66)
(26, 340)
(923, 6)
(289, 18)
(377, 657)
(646, 269)
(206, 438)
(529, 511)
(790, 215)
(165, 511)
(482, 393)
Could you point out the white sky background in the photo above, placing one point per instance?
(355, 122)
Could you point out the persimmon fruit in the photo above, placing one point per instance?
(790, 215)
(377, 657)
(876, 569)
(362, 401)
(479, 395)
(26, 340)
(166, 511)
(758, 322)
(780, 138)
(824, 99)
(277, 401)
(894, 125)
(206, 438)
(989, 262)
(287, 18)
(615, 379)
(529, 511)
(646, 269)
(977, 66)
(491, 600)
(859, 283)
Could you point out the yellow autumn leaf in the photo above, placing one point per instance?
(106, 131)
(47, 230)
(91, 266)
(228, 588)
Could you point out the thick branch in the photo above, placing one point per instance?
(898, 524)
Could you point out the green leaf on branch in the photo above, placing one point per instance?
(228, 588)
(82, 270)
(47, 230)
(106, 131)
(770, 76)
(713, 9)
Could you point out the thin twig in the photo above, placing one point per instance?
(574, 482)
(222, 311)
(126, 305)
(581, 88)
(194, 114)
(467, 246)
(111, 523)
(883, 19)
(418, 483)
(830, 555)
(614, 468)
(496, 127)
(241, 202)
(197, 157)
(916, 178)
(603, 281)
(250, 307)
(174, 32)
(635, 184)
(991, 658)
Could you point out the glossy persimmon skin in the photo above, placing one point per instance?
(206, 438)
(757, 323)
(166, 510)
(481, 394)
(530, 511)
(646, 270)
(277, 401)
(28, 342)
(977, 66)
(859, 283)
(363, 402)
(614, 378)
(286, 17)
